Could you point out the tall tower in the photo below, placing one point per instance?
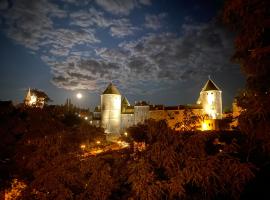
(211, 100)
(111, 110)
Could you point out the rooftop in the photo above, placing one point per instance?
(210, 85)
(111, 89)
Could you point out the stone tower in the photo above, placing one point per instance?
(211, 100)
(111, 110)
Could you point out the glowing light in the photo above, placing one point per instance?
(79, 95)
(98, 142)
(204, 126)
(33, 100)
(83, 146)
(210, 98)
(86, 118)
(126, 134)
(15, 190)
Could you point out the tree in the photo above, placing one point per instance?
(251, 22)
(190, 121)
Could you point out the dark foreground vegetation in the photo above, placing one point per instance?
(40, 154)
(40, 149)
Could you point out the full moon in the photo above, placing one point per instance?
(79, 95)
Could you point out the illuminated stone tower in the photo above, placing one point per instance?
(111, 111)
(211, 100)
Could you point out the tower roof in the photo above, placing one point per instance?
(111, 89)
(210, 85)
(125, 102)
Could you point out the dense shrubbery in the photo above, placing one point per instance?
(250, 21)
(45, 154)
(33, 139)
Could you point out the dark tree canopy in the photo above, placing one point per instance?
(251, 22)
(41, 94)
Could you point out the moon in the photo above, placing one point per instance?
(79, 95)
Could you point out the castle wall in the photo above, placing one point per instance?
(141, 113)
(127, 120)
(172, 117)
(111, 113)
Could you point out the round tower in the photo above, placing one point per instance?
(211, 100)
(111, 110)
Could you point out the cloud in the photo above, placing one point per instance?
(118, 27)
(154, 21)
(32, 24)
(165, 58)
(4, 4)
(117, 6)
(86, 18)
(121, 28)
(145, 2)
(87, 74)
(78, 59)
(120, 7)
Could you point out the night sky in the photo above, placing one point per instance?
(158, 51)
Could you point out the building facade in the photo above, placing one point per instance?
(32, 99)
(211, 100)
(111, 110)
(116, 114)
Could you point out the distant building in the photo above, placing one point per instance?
(96, 117)
(116, 114)
(111, 110)
(211, 100)
(32, 99)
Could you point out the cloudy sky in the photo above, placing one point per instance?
(155, 50)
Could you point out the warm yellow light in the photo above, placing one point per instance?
(79, 95)
(210, 98)
(204, 126)
(83, 146)
(126, 134)
(33, 100)
(86, 118)
(98, 142)
(119, 142)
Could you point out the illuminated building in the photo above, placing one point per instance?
(116, 114)
(34, 100)
(211, 100)
(111, 110)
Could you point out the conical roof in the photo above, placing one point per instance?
(28, 95)
(125, 102)
(210, 85)
(111, 89)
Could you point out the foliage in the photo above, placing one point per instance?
(14, 192)
(41, 94)
(46, 154)
(250, 20)
(177, 166)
